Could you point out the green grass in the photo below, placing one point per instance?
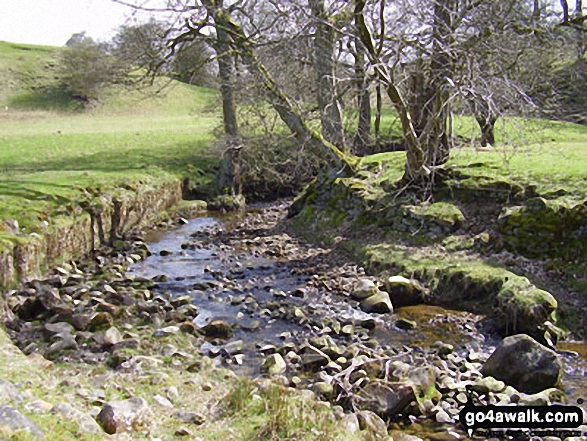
(553, 157)
(49, 154)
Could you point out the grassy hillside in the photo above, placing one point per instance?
(50, 150)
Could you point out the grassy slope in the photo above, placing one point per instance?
(47, 155)
(550, 155)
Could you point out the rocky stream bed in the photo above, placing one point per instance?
(249, 297)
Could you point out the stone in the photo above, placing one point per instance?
(190, 417)
(404, 291)
(444, 418)
(163, 402)
(378, 303)
(274, 365)
(11, 420)
(217, 329)
(524, 364)
(233, 348)
(183, 431)
(100, 322)
(487, 384)
(405, 324)
(111, 336)
(387, 402)
(9, 392)
(370, 422)
(51, 329)
(313, 358)
(363, 289)
(166, 332)
(350, 423)
(126, 415)
(323, 389)
(86, 422)
(444, 349)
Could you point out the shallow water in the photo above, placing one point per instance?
(217, 277)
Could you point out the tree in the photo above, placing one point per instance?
(324, 44)
(141, 45)
(87, 67)
(190, 63)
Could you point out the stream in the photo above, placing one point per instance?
(277, 294)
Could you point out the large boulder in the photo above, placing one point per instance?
(125, 415)
(379, 303)
(12, 421)
(525, 364)
(364, 288)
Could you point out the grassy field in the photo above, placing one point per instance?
(47, 155)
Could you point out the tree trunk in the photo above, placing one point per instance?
(363, 136)
(343, 164)
(378, 105)
(328, 102)
(227, 180)
(487, 126)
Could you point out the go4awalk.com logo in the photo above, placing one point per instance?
(556, 417)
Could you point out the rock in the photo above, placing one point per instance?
(378, 303)
(444, 418)
(363, 289)
(350, 423)
(487, 384)
(111, 336)
(387, 402)
(188, 327)
(299, 292)
(190, 417)
(274, 365)
(9, 392)
(525, 364)
(405, 292)
(400, 436)
(444, 349)
(313, 358)
(370, 422)
(51, 329)
(324, 389)
(217, 329)
(86, 422)
(183, 431)
(233, 348)
(100, 321)
(163, 402)
(125, 415)
(11, 420)
(405, 324)
(66, 342)
(166, 332)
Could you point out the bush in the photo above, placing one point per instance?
(86, 67)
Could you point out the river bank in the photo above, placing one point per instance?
(239, 292)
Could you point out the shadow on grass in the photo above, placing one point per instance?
(18, 188)
(53, 97)
(176, 161)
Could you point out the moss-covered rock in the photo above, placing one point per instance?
(542, 227)
(227, 202)
(516, 304)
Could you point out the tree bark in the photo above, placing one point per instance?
(363, 136)
(227, 180)
(328, 102)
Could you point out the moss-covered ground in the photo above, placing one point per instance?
(459, 240)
